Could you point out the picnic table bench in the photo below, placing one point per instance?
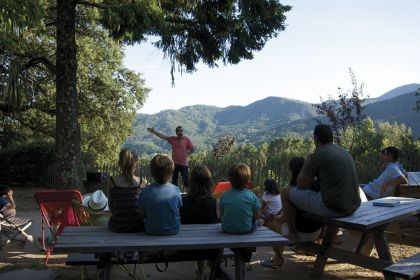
(103, 243)
(408, 268)
(370, 220)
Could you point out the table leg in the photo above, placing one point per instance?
(322, 257)
(381, 244)
(365, 245)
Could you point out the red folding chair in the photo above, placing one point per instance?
(59, 208)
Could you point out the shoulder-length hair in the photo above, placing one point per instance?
(200, 182)
(295, 165)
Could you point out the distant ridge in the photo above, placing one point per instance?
(260, 121)
(398, 91)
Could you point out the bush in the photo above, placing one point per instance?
(25, 164)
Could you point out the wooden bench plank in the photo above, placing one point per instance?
(100, 239)
(408, 268)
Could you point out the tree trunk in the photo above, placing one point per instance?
(67, 108)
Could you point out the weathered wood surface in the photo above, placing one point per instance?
(203, 236)
(408, 268)
(369, 216)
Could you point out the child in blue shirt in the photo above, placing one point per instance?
(160, 202)
(239, 207)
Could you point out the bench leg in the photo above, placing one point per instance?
(322, 257)
(215, 266)
(239, 266)
(105, 266)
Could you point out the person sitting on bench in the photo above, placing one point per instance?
(392, 176)
(7, 203)
(335, 173)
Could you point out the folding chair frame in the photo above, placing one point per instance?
(18, 226)
(54, 197)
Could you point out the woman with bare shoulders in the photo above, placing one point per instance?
(123, 193)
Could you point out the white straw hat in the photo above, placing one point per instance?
(96, 201)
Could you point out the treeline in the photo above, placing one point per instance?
(271, 160)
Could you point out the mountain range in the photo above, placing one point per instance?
(261, 121)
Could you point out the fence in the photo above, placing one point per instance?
(277, 170)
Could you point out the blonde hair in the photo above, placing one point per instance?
(239, 175)
(128, 162)
(161, 168)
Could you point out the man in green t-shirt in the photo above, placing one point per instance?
(332, 169)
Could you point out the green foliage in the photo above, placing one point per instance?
(194, 31)
(25, 164)
(223, 146)
(367, 142)
(345, 112)
(109, 94)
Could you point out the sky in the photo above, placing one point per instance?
(378, 39)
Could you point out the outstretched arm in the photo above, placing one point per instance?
(158, 134)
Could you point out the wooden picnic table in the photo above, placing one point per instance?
(103, 243)
(369, 220)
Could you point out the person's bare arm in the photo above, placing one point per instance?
(11, 204)
(158, 134)
(304, 182)
(257, 214)
(393, 183)
(220, 212)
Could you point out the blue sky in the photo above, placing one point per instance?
(378, 39)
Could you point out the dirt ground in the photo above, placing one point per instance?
(20, 260)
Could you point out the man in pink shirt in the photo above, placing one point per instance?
(182, 147)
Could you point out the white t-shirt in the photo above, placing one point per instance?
(391, 171)
(273, 202)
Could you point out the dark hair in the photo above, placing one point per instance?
(4, 189)
(178, 128)
(271, 187)
(200, 182)
(393, 151)
(239, 175)
(323, 133)
(161, 168)
(295, 165)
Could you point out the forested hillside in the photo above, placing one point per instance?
(259, 122)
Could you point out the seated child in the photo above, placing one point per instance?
(124, 190)
(271, 201)
(160, 202)
(7, 203)
(239, 207)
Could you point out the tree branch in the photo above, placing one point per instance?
(40, 60)
(90, 4)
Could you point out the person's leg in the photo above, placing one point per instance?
(278, 259)
(311, 202)
(289, 212)
(9, 213)
(184, 174)
(175, 175)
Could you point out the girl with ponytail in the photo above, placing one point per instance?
(123, 193)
